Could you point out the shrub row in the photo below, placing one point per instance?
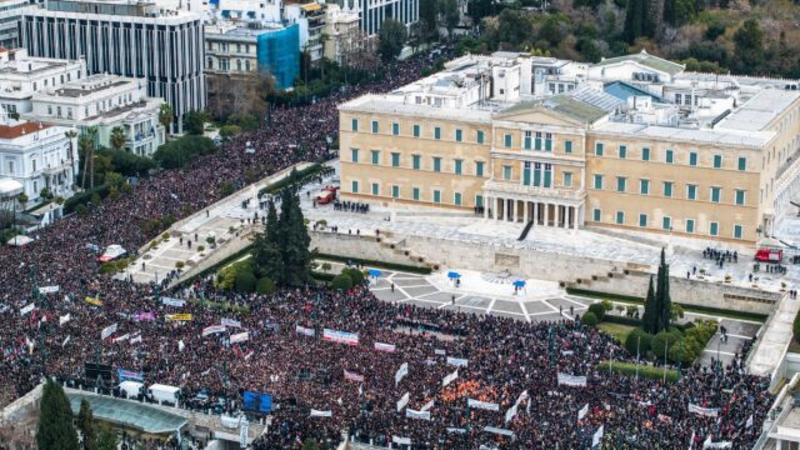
(381, 264)
(82, 198)
(645, 370)
(681, 345)
(689, 308)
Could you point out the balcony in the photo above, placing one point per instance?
(493, 187)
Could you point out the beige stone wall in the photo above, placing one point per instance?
(678, 207)
(731, 221)
(406, 146)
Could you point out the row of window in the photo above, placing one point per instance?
(666, 223)
(416, 131)
(416, 162)
(669, 156)
(416, 193)
(668, 188)
(536, 141)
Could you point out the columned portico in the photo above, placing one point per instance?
(549, 207)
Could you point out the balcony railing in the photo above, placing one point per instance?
(534, 191)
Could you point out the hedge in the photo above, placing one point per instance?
(688, 308)
(645, 371)
(590, 319)
(85, 197)
(796, 327)
(381, 264)
(295, 176)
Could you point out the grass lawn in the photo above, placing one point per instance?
(619, 331)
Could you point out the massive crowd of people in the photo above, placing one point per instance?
(503, 358)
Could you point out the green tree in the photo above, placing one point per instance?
(590, 319)
(749, 40)
(55, 430)
(341, 282)
(86, 148)
(649, 317)
(296, 256)
(165, 116)
(598, 310)
(245, 281)
(118, 138)
(267, 256)
(637, 21)
(229, 131)
(194, 122)
(86, 426)
(663, 300)
(427, 16)
(448, 10)
(107, 439)
(638, 340)
(391, 38)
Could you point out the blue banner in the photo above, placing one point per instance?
(257, 401)
(129, 375)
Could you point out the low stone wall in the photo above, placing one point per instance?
(626, 279)
(359, 246)
(690, 291)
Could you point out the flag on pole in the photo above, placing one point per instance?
(749, 422)
(582, 413)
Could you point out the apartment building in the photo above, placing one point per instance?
(565, 144)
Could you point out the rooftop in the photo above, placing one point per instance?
(90, 85)
(648, 60)
(758, 112)
(15, 131)
(697, 135)
(128, 413)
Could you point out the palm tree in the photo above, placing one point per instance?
(86, 146)
(118, 138)
(71, 135)
(165, 116)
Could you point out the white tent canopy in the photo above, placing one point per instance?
(19, 240)
(10, 188)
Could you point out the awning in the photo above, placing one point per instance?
(311, 7)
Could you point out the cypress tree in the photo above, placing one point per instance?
(55, 430)
(662, 294)
(86, 426)
(295, 242)
(648, 318)
(267, 256)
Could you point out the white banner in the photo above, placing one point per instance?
(401, 440)
(213, 329)
(401, 372)
(720, 444)
(749, 422)
(66, 340)
(124, 337)
(27, 309)
(181, 345)
(421, 415)
(64, 319)
(427, 406)
(403, 401)
(500, 431)
(571, 380)
(583, 412)
(598, 437)
(169, 301)
(439, 351)
(304, 331)
(458, 362)
(240, 337)
(381, 347)
(511, 413)
(456, 430)
(108, 331)
(137, 339)
(700, 411)
(449, 378)
(230, 323)
(48, 289)
(317, 413)
(477, 404)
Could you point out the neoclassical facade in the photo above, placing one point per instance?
(622, 152)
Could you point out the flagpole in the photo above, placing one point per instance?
(638, 343)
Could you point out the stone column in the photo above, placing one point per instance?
(535, 213)
(496, 208)
(509, 206)
(546, 213)
(525, 212)
(486, 208)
